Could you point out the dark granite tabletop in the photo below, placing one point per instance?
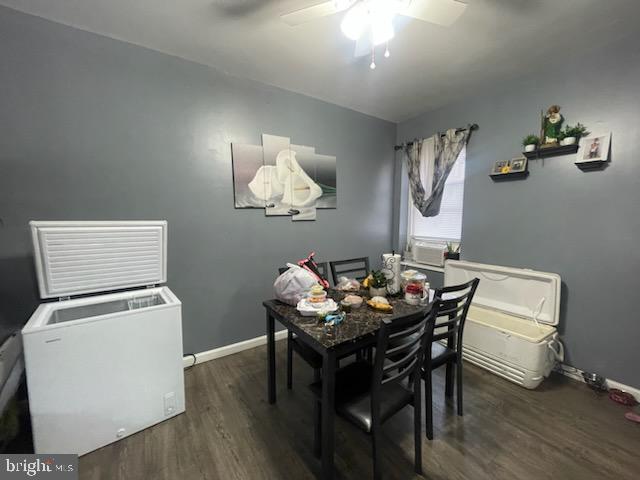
(357, 324)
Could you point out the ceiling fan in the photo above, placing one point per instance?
(370, 22)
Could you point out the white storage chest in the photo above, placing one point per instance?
(106, 365)
(511, 325)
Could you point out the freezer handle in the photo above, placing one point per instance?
(557, 348)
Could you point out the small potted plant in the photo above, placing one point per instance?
(570, 135)
(453, 251)
(378, 284)
(530, 143)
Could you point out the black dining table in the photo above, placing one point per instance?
(358, 331)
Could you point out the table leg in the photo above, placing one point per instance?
(328, 409)
(271, 358)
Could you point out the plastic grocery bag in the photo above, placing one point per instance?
(293, 285)
(348, 284)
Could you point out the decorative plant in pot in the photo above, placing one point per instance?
(530, 142)
(571, 135)
(453, 251)
(378, 283)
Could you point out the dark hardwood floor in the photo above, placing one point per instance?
(563, 430)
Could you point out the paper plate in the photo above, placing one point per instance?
(309, 309)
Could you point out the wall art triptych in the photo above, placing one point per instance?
(283, 178)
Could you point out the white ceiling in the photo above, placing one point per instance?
(429, 65)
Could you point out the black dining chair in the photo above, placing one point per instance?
(453, 304)
(357, 267)
(313, 358)
(368, 395)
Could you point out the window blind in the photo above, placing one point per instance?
(447, 225)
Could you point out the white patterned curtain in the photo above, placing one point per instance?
(441, 152)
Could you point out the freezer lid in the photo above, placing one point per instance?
(522, 292)
(74, 258)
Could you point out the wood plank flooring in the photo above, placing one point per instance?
(563, 430)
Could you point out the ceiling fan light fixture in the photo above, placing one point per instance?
(355, 21)
(381, 30)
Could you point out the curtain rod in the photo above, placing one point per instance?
(458, 130)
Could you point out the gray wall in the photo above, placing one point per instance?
(98, 129)
(583, 225)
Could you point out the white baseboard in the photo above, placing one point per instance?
(205, 356)
(566, 370)
(576, 374)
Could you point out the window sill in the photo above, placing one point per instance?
(421, 266)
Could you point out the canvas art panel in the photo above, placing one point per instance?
(284, 179)
(303, 203)
(247, 160)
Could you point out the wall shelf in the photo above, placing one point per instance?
(500, 177)
(591, 164)
(552, 151)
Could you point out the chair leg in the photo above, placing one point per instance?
(459, 383)
(289, 360)
(450, 374)
(428, 404)
(374, 450)
(317, 429)
(417, 426)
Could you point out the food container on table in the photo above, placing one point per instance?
(311, 309)
(317, 298)
(346, 306)
(414, 294)
(317, 294)
(354, 300)
(412, 276)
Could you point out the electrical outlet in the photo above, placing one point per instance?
(169, 403)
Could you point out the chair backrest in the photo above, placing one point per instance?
(357, 266)
(322, 268)
(399, 353)
(453, 304)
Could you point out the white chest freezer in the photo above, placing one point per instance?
(105, 365)
(511, 325)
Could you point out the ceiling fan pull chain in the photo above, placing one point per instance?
(373, 54)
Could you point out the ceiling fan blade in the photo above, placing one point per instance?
(313, 12)
(440, 12)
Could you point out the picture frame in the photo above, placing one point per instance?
(501, 167)
(594, 148)
(518, 165)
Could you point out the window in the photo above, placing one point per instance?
(447, 225)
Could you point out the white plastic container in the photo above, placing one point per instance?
(311, 309)
(104, 366)
(511, 325)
